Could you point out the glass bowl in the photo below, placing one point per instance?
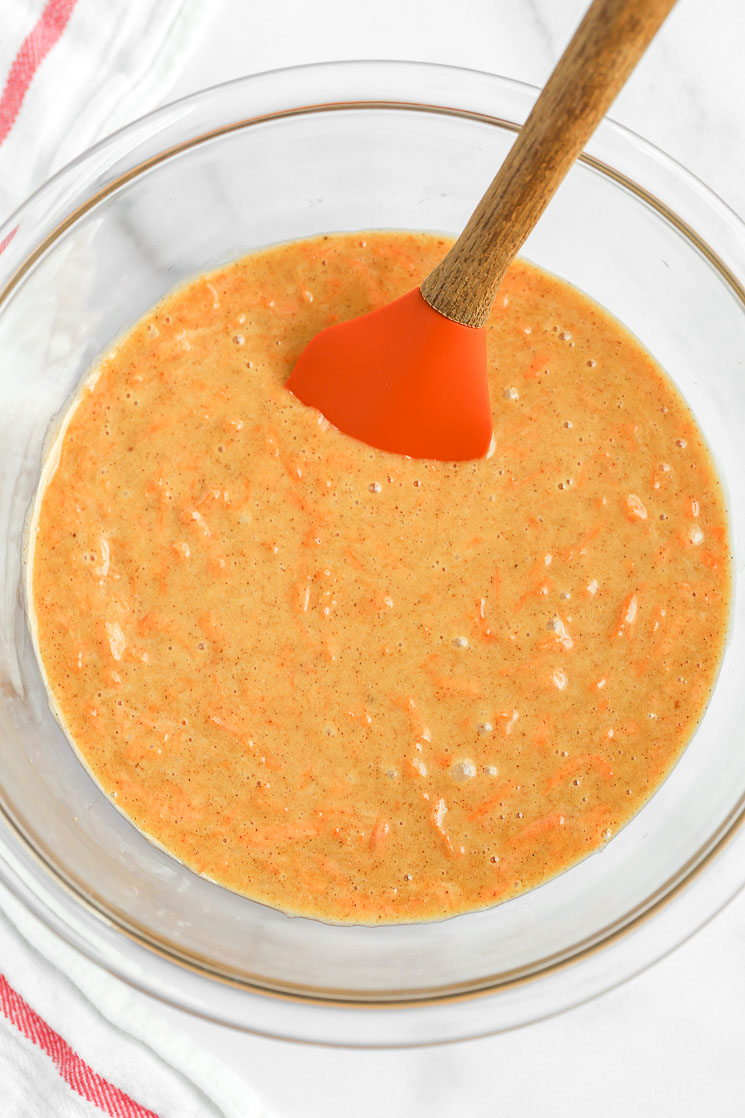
(287, 154)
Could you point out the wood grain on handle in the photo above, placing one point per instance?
(604, 50)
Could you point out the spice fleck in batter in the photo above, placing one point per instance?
(353, 685)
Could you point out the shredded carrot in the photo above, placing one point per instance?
(539, 827)
(590, 535)
(541, 589)
(576, 764)
(505, 791)
(484, 630)
(410, 707)
(627, 616)
(538, 366)
(212, 628)
(437, 816)
(630, 432)
(379, 833)
(558, 636)
(447, 684)
(354, 559)
(235, 731)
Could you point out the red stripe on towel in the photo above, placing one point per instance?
(6, 240)
(37, 44)
(75, 1072)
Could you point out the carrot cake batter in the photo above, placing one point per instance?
(357, 686)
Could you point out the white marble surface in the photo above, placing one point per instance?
(672, 1040)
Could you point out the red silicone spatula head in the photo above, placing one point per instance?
(403, 378)
(410, 379)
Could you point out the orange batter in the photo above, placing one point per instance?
(353, 685)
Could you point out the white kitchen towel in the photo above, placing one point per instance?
(73, 70)
(77, 1043)
(74, 1041)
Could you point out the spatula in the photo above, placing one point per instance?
(411, 377)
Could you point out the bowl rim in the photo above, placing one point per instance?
(364, 79)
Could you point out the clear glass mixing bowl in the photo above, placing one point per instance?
(288, 154)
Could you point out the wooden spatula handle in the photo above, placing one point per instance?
(604, 50)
